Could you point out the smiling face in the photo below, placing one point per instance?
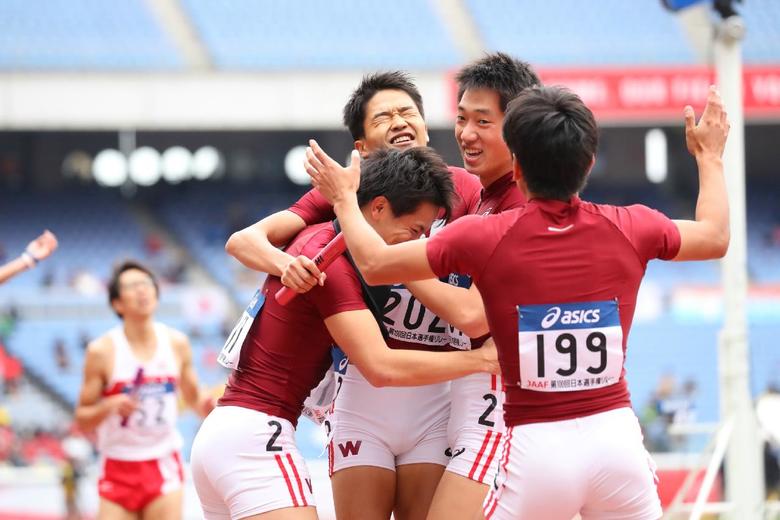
(392, 120)
(478, 134)
(395, 230)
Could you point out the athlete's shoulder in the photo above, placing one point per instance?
(464, 181)
(101, 349)
(311, 239)
(179, 340)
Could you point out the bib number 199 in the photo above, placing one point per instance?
(570, 347)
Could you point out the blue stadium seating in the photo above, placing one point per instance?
(309, 34)
(83, 34)
(609, 32)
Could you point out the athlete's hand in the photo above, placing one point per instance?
(490, 356)
(301, 275)
(121, 404)
(42, 246)
(333, 181)
(206, 403)
(708, 138)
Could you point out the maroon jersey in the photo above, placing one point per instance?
(410, 325)
(559, 283)
(287, 350)
(501, 195)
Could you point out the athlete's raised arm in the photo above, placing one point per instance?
(378, 262)
(707, 237)
(357, 333)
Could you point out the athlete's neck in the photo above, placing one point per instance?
(140, 332)
(490, 178)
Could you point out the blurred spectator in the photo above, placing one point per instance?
(666, 407)
(84, 339)
(86, 283)
(47, 280)
(12, 371)
(153, 244)
(61, 355)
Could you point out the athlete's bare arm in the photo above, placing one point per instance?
(201, 402)
(457, 306)
(92, 408)
(358, 334)
(707, 237)
(37, 250)
(257, 247)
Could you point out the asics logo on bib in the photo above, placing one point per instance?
(571, 317)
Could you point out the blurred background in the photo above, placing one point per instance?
(152, 129)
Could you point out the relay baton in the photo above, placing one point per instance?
(139, 378)
(324, 258)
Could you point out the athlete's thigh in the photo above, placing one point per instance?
(457, 497)
(623, 486)
(363, 493)
(540, 475)
(164, 507)
(108, 510)
(289, 513)
(415, 487)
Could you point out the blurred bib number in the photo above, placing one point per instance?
(231, 350)
(570, 347)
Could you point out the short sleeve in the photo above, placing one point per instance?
(468, 190)
(313, 208)
(342, 291)
(653, 234)
(464, 246)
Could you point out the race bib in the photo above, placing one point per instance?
(319, 403)
(458, 339)
(231, 350)
(570, 346)
(407, 319)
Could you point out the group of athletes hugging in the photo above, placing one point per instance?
(484, 312)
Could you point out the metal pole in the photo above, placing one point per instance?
(744, 470)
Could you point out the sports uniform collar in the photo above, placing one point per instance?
(497, 186)
(557, 209)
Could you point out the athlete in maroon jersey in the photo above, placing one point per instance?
(559, 279)
(395, 469)
(476, 426)
(244, 458)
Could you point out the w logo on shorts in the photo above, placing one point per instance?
(349, 448)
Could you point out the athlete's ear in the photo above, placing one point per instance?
(518, 177)
(378, 206)
(360, 146)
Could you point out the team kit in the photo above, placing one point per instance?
(460, 333)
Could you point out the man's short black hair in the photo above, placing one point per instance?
(355, 109)
(406, 178)
(553, 137)
(498, 72)
(127, 265)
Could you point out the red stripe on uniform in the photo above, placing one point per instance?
(493, 384)
(489, 460)
(179, 466)
(286, 479)
(479, 455)
(297, 478)
(330, 459)
(491, 507)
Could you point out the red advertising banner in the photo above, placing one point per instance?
(652, 94)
